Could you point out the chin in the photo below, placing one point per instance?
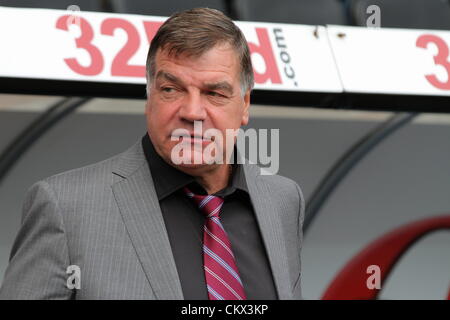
(194, 165)
(195, 168)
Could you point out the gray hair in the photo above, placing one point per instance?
(196, 31)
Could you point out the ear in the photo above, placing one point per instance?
(147, 106)
(147, 102)
(246, 106)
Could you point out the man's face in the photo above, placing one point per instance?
(187, 89)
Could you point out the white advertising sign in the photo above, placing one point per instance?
(106, 47)
(392, 61)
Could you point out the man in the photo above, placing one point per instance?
(141, 225)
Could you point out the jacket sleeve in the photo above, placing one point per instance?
(39, 257)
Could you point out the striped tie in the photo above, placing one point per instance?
(221, 273)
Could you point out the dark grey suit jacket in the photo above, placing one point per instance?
(105, 219)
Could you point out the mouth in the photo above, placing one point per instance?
(194, 138)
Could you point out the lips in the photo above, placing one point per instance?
(195, 137)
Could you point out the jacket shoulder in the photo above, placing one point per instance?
(99, 172)
(280, 183)
(288, 190)
(91, 172)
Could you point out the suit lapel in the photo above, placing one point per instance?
(270, 225)
(139, 206)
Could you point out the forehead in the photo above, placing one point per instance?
(219, 62)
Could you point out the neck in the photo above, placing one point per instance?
(215, 180)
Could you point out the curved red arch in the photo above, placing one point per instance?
(350, 282)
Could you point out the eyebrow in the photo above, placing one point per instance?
(169, 77)
(222, 85)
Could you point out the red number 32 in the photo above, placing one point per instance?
(83, 42)
(120, 65)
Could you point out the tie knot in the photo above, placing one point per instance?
(209, 205)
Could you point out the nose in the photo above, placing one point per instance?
(192, 108)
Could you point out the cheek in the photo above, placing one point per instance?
(228, 118)
(160, 114)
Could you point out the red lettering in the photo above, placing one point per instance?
(440, 59)
(83, 42)
(151, 27)
(120, 65)
(264, 49)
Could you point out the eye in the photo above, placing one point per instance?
(216, 94)
(168, 89)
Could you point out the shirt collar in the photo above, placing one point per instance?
(168, 179)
